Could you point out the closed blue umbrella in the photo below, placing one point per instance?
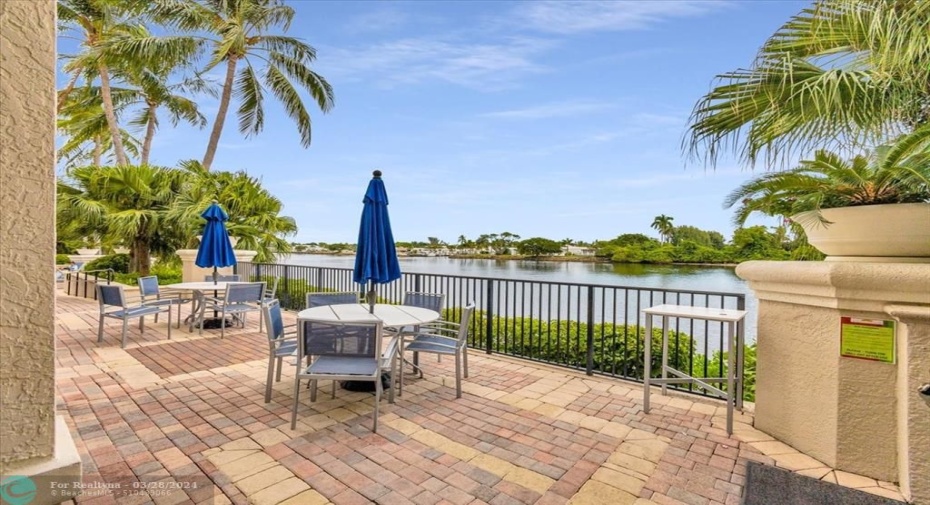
(375, 255)
(215, 248)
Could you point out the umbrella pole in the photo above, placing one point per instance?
(371, 297)
(215, 275)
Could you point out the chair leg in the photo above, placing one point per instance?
(271, 361)
(223, 324)
(296, 399)
(179, 316)
(393, 378)
(465, 359)
(333, 394)
(169, 323)
(312, 390)
(280, 362)
(125, 324)
(142, 324)
(100, 329)
(458, 376)
(374, 426)
(261, 319)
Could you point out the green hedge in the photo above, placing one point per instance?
(119, 263)
(62, 259)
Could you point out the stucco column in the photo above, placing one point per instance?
(192, 273)
(853, 414)
(33, 443)
(913, 413)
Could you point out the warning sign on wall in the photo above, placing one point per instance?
(871, 339)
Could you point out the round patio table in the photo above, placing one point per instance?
(216, 287)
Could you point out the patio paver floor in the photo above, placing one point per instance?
(186, 418)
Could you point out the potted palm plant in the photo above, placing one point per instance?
(875, 206)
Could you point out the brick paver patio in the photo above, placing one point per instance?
(184, 421)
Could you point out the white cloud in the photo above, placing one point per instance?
(489, 65)
(551, 110)
(567, 17)
(377, 20)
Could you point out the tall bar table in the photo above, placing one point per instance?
(734, 372)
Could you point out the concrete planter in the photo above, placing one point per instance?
(89, 252)
(876, 233)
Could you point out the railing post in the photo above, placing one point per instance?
(416, 283)
(96, 281)
(258, 271)
(287, 291)
(589, 368)
(489, 315)
(740, 351)
(85, 284)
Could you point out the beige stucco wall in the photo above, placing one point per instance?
(27, 230)
(855, 415)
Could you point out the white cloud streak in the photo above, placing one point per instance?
(488, 66)
(552, 110)
(569, 17)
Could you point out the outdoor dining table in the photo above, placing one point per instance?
(216, 287)
(390, 316)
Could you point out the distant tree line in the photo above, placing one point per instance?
(678, 244)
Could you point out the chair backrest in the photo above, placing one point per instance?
(431, 301)
(464, 323)
(110, 295)
(247, 292)
(321, 299)
(148, 286)
(223, 278)
(271, 292)
(274, 323)
(356, 340)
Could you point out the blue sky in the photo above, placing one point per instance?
(554, 119)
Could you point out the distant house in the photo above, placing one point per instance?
(574, 250)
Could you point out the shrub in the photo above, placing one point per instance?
(119, 263)
(62, 259)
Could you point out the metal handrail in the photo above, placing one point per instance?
(77, 280)
(591, 327)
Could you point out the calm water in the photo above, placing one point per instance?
(689, 278)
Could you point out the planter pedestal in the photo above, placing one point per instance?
(861, 416)
(894, 233)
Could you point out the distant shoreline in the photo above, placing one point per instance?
(554, 259)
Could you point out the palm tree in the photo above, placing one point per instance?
(128, 203)
(254, 213)
(894, 173)
(83, 123)
(97, 20)
(663, 224)
(841, 73)
(110, 36)
(239, 33)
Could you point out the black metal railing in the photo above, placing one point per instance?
(591, 327)
(80, 280)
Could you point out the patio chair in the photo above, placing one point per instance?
(431, 301)
(339, 351)
(152, 297)
(223, 278)
(321, 299)
(282, 342)
(269, 295)
(445, 337)
(113, 296)
(239, 300)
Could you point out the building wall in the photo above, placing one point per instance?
(856, 415)
(27, 230)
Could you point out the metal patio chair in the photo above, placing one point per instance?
(282, 342)
(269, 295)
(321, 299)
(339, 351)
(112, 302)
(446, 338)
(239, 300)
(152, 296)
